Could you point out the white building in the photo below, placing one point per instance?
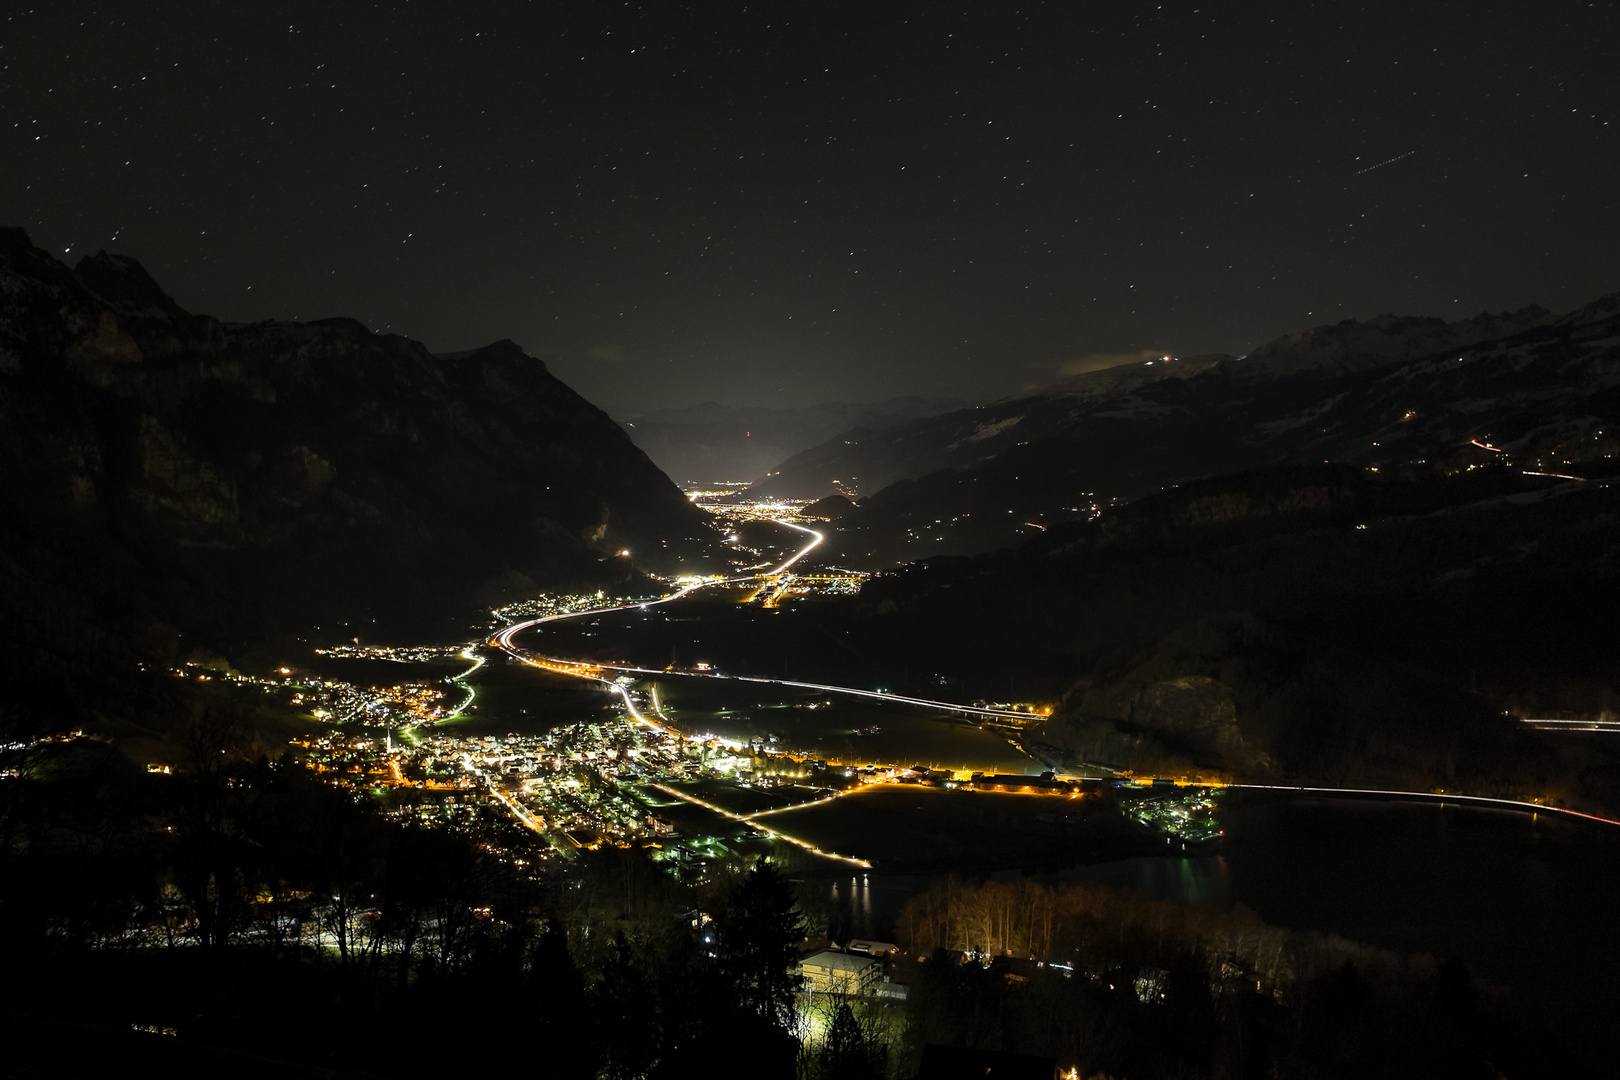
(840, 973)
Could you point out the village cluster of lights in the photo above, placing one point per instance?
(776, 587)
(23, 747)
(549, 606)
(336, 701)
(602, 781)
(582, 785)
(401, 654)
(607, 781)
(1184, 814)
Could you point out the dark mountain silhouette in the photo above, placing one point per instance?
(1311, 624)
(1532, 388)
(167, 477)
(833, 507)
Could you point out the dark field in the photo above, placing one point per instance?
(905, 827)
(839, 728)
(516, 699)
(740, 799)
(806, 640)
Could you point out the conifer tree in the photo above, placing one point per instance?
(760, 933)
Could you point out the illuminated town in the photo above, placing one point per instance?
(613, 780)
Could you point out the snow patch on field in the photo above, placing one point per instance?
(990, 430)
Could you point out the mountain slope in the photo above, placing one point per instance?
(162, 473)
(1314, 623)
(1151, 394)
(1525, 388)
(868, 459)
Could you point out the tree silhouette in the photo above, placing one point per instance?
(759, 935)
(850, 1051)
(626, 1014)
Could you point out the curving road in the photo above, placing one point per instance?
(585, 669)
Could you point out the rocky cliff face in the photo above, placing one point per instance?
(169, 474)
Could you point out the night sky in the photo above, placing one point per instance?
(781, 203)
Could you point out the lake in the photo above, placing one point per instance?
(1528, 902)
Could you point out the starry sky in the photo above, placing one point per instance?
(784, 203)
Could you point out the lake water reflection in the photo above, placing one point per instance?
(1529, 902)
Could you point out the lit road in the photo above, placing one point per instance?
(583, 669)
(477, 662)
(1431, 796)
(880, 695)
(636, 714)
(586, 669)
(503, 640)
(749, 820)
(807, 549)
(489, 785)
(1551, 724)
(757, 814)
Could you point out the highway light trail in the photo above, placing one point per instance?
(658, 710)
(563, 666)
(586, 670)
(879, 695)
(807, 549)
(583, 669)
(477, 662)
(1547, 724)
(1430, 796)
(503, 641)
(636, 714)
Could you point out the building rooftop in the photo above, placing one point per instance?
(839, 961)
